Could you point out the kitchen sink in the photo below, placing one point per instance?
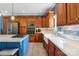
(17, 36)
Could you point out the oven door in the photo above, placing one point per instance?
(31, 31)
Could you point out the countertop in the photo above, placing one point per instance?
(68, 46)
(7, 38)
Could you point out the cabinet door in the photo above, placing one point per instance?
(39, 37)
(45, 45)
(78, 11)
(58, 52)
(22, 30)
(61, 14)
(50, 48)
(38, 22)
(32, 38)
(45, 22)
(72, 13)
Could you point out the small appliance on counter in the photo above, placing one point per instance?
(38, 30)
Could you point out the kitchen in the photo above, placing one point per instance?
(54, 26)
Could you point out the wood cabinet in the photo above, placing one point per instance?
(67, 13)
(77, 10)
(58, 52)
(38, 37)
(5, 22)
(72, 13)
(38, 22)
(61, 14)
(45, 22)
(53, 50)
(22, 30)
(45, 44)
(32, 38)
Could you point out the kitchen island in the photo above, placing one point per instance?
(6, 42)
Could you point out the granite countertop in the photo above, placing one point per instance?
(7, 35)
(8, 52)
(7, 38)
(67, 45)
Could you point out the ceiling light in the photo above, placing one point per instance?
(6, 11)
(12, 17)
(23, 11)
(49, 5)
(40, 11)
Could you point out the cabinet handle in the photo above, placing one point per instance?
(76, 18)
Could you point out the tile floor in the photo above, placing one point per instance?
(36, 49)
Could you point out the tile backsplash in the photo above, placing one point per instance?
(69, 27)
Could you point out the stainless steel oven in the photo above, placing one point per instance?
(31, 28)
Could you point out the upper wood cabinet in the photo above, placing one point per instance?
(78, 10)
(61, 14)
(45, 22)
(72, 13)
(67, 13)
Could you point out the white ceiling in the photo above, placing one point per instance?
(25, 8)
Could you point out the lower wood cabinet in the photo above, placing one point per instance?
(58, 52)
(38, 37)
(45, 45)
(53, 50)
(50, 48)
(32, 38)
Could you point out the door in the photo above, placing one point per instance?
(72, 13)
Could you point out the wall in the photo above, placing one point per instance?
(0, 24)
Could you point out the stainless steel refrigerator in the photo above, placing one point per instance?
(12, 28)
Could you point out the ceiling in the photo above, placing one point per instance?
(19, 9)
